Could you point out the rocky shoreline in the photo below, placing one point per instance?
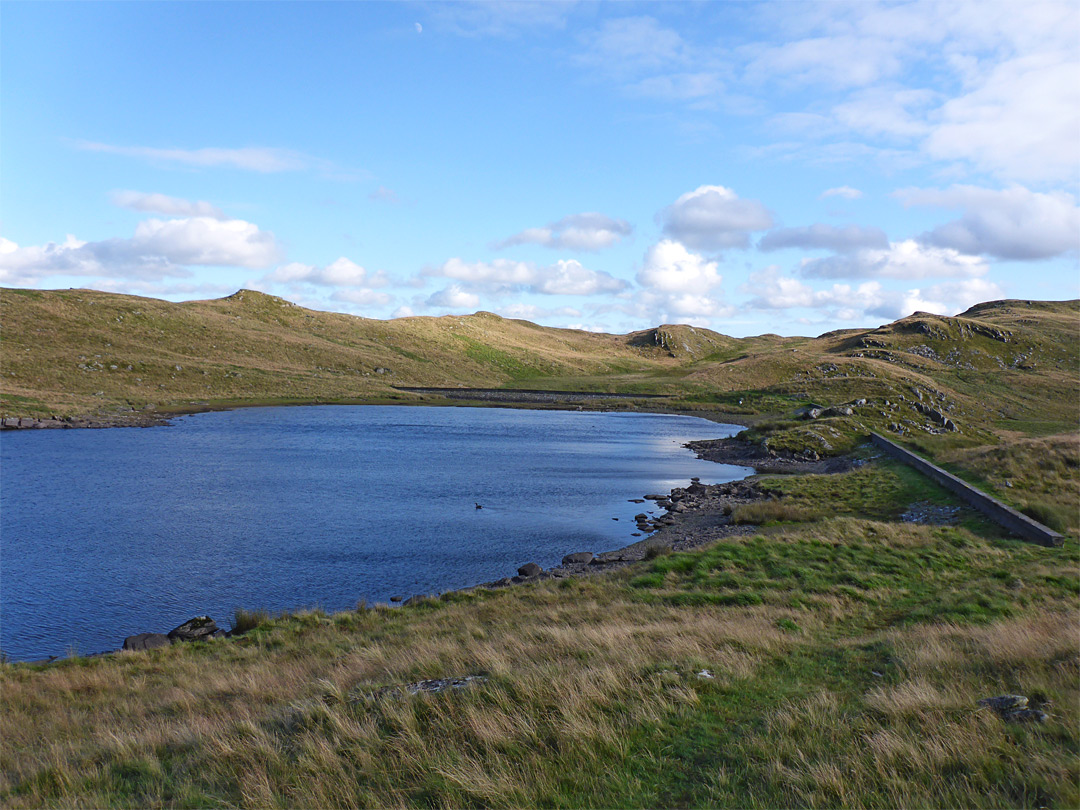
(131, 419)
(693, 516)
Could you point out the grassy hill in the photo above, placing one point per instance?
(1001, 364)
(76, 351)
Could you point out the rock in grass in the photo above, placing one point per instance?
(1025, 716)
(1004, 703)
(146, 641)
(198, 629)
(529, 570)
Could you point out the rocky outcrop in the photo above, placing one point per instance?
(529, 570)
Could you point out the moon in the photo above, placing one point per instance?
(419, 28)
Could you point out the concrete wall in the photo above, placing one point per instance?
(1018, 524)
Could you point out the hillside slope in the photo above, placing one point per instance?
(1004, 365)
(74, 351)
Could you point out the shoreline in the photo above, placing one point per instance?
(690, 517)
(154, 416)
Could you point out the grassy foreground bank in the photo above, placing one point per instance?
(832, 661)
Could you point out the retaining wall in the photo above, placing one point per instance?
(1018, 524)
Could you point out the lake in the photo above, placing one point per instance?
(108, 533)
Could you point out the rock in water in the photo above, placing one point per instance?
(198, 629)
(146, 641)
(529, 570)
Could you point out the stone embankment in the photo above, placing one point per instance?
(1018, 524)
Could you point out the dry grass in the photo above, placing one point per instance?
(918, 739)
(286, 715)
(592, 698)
(773, 511)
(1041, 476)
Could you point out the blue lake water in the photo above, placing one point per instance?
(108, 533)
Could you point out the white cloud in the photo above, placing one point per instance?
(772, 291)
(671, 268)
(906, 260)
(342, 272)
(633, 44)
(847, 192)
(1021, 122)
(163, 204)
(454, 297)
(496, 18)
(159, 248)
(403, 311)
(679, 86)
(571, 278)
(971, 83)
(842, 60)
(252, 158)
(889, 112)
(714, 217)
(384, 194)
(588, 231)
(565, 277)
(361, 297)
(824, 237)
(205, 241)
(530, 312)
(1013, 223)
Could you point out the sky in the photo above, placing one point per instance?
(751, 167)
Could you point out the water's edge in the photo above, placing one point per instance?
(603, 561)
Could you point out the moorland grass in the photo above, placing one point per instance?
(853, 683)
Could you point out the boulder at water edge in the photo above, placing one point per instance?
(580, 558)
(146, 641)
(200, 628)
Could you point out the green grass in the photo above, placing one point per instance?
(952, 576)
(881, 489)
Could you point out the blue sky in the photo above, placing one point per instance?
(751, 167)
